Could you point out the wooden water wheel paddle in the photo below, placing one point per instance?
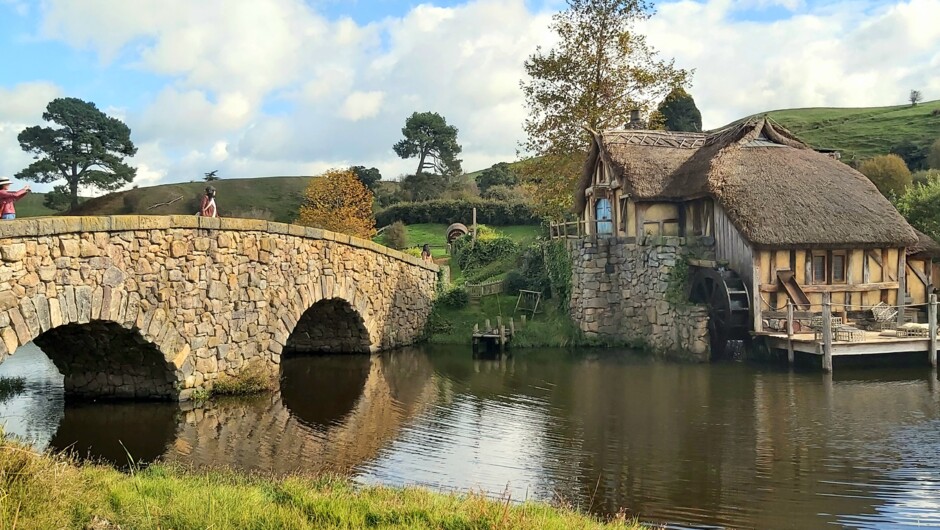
(726, 296)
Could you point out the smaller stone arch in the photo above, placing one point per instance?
(330, 325)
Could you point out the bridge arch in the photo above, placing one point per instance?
(330, 325)
(209, 296)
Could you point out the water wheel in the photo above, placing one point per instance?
(729, 306)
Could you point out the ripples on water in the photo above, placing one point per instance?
(728, 445)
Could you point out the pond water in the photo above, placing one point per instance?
(729, 445)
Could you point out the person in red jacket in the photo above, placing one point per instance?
(208, 208)
(7, 198)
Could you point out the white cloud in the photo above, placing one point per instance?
(274, 87)
(362, 105)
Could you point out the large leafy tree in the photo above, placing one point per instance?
(500, 174)
(338, 201)
(680, 113)
(428, 138)
(889, 173)
(87, 149)
(370, 177)
(920, 205)
(933, 156)
(599, 71)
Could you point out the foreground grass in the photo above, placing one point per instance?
(40, 492)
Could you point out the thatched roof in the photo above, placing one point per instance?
(925, 248)
(775, 189)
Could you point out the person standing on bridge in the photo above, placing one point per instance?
(426, 253)
(7, 198)
(208, 208)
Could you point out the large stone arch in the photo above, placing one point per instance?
(102, 342)
(211, 296)
(331, 325)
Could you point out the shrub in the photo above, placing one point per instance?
(445, 211)
(455, 298)
(933, 155)
(489, 247)
(919, 206)
(888, 172)
(396, 235)
(515, 282)
(413, 251)
(253, 380)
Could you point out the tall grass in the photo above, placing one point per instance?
(42, 491)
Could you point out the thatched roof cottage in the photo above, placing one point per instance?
(794, 223)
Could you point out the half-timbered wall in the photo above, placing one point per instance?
(870, 276)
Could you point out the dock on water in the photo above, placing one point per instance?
(493, 339)
(835, 335)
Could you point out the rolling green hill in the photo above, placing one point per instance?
(862, 133)
(272, 198)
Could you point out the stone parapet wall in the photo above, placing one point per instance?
(209, 296)
(619, 292)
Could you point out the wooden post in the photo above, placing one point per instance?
(756, 308)
(790, 353)
(474, 238)
(827, 332)
(932, 325)
(902, 284)
(512, 327)
(523, 320)
(502, 338)
(488, 328)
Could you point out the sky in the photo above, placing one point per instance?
(295, 87)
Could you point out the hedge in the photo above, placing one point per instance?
(447, 211)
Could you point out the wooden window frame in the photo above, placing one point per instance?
(826, 275)
(845, 267)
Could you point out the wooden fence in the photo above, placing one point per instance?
(476, 291)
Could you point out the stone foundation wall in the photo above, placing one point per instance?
(619, 292)
(210, 295)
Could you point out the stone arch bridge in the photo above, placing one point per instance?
(159, 306)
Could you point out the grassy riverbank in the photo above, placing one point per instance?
(40, 491)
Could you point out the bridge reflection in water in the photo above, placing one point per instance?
(732, 445)
(332, 413)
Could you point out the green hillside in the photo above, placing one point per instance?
(863, 132)
(272, 198)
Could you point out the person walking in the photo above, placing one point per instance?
(7, 198)
(208, 208)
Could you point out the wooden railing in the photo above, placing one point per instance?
(476, 291)
(578, 229)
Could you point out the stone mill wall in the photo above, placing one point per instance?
(619, 293)
(198, 298)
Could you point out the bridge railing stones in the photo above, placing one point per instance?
(46, 226)
(212, 295)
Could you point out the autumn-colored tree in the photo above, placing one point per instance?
(889, 173)
(600, 70)
(338, 201)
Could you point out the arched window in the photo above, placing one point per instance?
(605, 225)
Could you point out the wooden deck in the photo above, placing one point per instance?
(872, 344)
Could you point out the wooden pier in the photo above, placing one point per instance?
(833, 341)
(490, 339)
